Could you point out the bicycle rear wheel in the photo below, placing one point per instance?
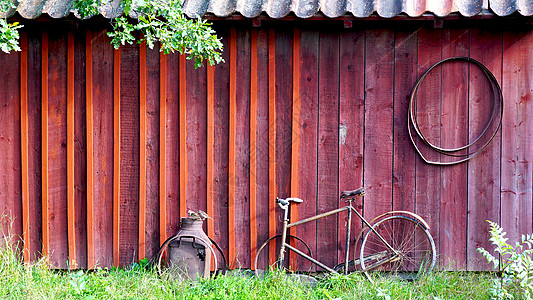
(264, 261)
(414, 250)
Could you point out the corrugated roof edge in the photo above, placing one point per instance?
(302, 9)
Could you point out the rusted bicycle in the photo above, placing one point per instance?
(397, 243)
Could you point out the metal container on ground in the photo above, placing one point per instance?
(189, 254)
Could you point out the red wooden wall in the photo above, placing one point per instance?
(104, 150)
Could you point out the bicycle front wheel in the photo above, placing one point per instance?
(412, 254)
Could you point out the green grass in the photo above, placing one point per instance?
(37, 281)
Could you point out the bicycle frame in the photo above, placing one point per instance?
(349, 208)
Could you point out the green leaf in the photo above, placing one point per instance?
(9, 36)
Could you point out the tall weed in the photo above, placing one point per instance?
(514, 263)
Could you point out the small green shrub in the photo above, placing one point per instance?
(515, 264)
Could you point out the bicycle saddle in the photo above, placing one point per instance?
(354, 193)
(287, 200)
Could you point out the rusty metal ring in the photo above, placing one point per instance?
(225, 264)
(412, 120)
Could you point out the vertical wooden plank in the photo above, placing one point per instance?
(379, 78)
(142, 151)
(90, 153)
(295, 149)
(10, 142)
(210, 143)
(152, 152)
(484, 170)
(308, 139)
(428, 177)
(351, 127)
(116, 156)
(196, 137)
(34, 139)
(172, 165)
(221, 146)
(210, 139)
(262, 147)
(242, 150)
(328, 146)
(71, 209)
(253, 146)
(80, 150)
(44, 145)
(517, 141)
(232, 154)
(405, 76)
(24, 143)
(296, 106)
(104, 159)
(129, 154)
(272, 187)
(454, 133)
(57, 156)
(283, 118)
(163, 148)
(183, 136)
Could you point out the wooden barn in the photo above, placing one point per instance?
(104, 150)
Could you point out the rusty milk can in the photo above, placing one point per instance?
(190, 252)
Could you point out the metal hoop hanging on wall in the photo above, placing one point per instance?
(496, 116)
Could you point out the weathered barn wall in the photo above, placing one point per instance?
(104, 150)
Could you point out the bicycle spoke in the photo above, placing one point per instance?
(411, 236)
